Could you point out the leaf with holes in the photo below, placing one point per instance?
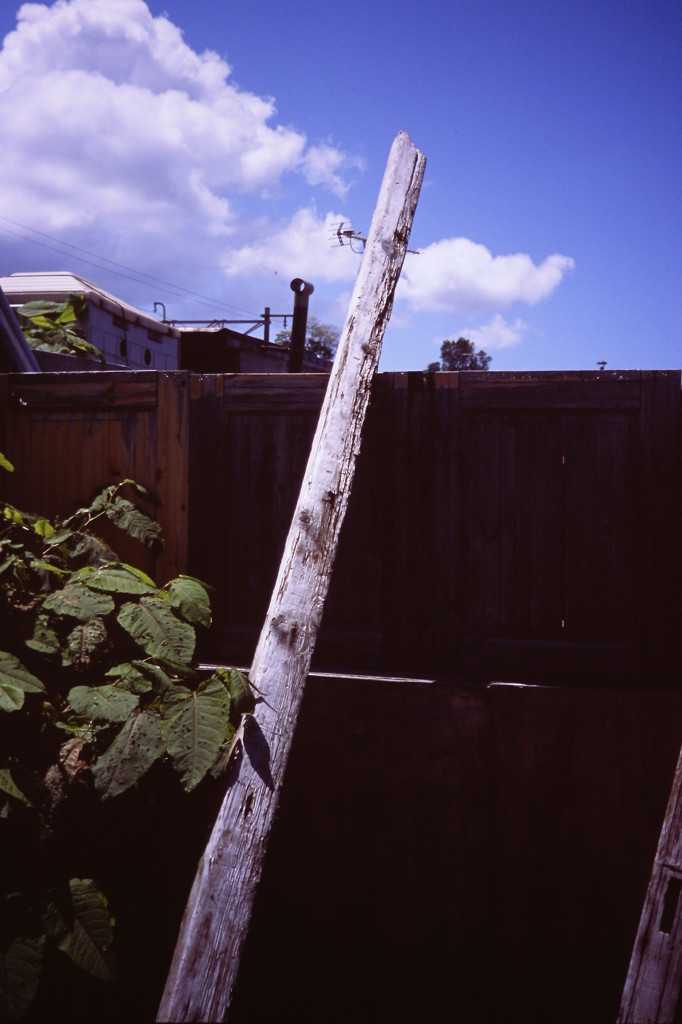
(107, 703)
(78, 602)
(20, 968)
(159, 632)
(133, 521)
(15, 681)
(134, 750)
(44, 639)
(194, 725)
(131, 677)
(190, 598)
(86, 643)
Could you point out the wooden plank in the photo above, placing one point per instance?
(274, 393)
(549, 389)
(652, 987)
(214, 928)
(110, 390)
(172, 473)
(659, 500)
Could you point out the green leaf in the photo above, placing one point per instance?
(190, 598)
(9, 786)
(194, 726)
(79, 602)
(14, 515)
(21, 970)
(134, 750)
(107, 703)
(131, 678)
(241, 692)
(89, 942)
(86, 642)
(15, 681)
(41, 566)
(133, 521)
(44, 528)
(159, 632)
(6, 464)
(44, 639)
(119, 578)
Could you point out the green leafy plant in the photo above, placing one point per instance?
(97, 686)
(56, 326)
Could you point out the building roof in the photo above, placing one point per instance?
(57, 285)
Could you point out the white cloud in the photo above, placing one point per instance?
(457, 275)
(112, 125)
(321, 165)
(496, 334)
(304, 245)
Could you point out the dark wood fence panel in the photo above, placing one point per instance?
(70, 435)
(579, 784)
(524, 525)
(459, 853)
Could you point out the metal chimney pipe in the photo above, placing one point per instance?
(302, 291)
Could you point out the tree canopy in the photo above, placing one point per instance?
(321, 339)
(460, 355)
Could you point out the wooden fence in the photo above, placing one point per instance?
(445, 850)
(520, 526)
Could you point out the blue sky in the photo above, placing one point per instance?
(200, 154)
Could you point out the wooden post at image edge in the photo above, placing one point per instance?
(654, 980)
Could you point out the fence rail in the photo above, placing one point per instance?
(502, 525)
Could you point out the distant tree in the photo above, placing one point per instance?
(460, 355)
(321, 339)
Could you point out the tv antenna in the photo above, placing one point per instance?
(347, 236)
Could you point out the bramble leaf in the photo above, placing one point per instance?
(159, 632)
(15, 681)
(107, 703)
(44, 639)
(133, 521)
(119, 578)
(9, 786)
(134, 750)
(190, 598)
(21, 970)
(78, 602)
(86, 642)
(89, 942)
(194, 724)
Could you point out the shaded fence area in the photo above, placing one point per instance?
(522, 525)
(449, 847)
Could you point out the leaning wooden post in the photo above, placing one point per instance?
(654, 981)
(216, 920)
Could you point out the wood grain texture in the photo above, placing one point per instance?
(214, 928)
(652, 987)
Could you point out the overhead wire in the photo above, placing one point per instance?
(104, 263)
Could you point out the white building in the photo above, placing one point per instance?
(124, 335)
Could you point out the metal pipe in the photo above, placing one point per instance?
(299, 322)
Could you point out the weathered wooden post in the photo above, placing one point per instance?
(654, 982)
(216, 920)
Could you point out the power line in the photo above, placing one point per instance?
(104, 263)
